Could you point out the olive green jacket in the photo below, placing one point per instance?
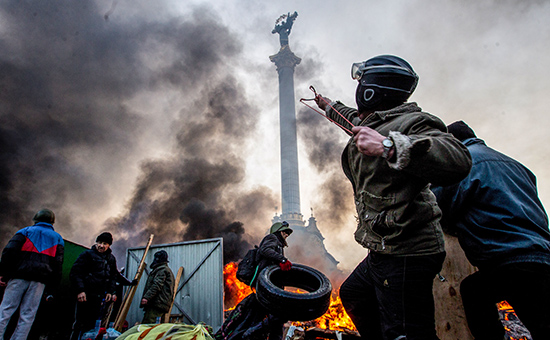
(159, 288)
(397, 212)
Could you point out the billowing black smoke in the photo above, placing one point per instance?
(77, 86)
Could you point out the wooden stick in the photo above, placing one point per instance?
(176, 283)
(105, 322)
(128, 297)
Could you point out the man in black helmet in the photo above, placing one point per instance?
(394, 153)
(32, 259)
(93, 277)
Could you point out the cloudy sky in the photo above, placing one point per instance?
(161, 117)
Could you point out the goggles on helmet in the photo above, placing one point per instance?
(358, 69)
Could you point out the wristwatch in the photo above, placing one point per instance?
(387, 144)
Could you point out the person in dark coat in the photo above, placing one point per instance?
(93, 277)
(502, 227)
(159, 289)
(250, 320)
(31, 260)
(271, 252)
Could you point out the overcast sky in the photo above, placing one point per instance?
(162, 116)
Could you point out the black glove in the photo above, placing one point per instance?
(134, 282)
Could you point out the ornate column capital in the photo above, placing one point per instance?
(285, 58)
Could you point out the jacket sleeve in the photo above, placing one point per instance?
(427, 151)
(343, 115)
(156, 287)
(122, 279)
(267, 249)
(52, 286)
(77, 275)
(114, 275)
(57, 265)
(424, 150)
(449, 200)
(11, 255)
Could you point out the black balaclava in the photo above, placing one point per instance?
(385, 80)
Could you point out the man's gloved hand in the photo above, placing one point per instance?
(134, 282)
(286, 265)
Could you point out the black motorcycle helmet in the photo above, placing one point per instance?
(385, 79)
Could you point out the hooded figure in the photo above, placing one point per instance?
(159, 289)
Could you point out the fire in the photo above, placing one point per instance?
(235, 290)
(335, 318)
(512, 325)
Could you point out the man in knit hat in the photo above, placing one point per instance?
(32, 259)
(93, 276)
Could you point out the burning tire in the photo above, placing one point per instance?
(299, 306)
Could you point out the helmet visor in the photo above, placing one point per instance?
(357, 70)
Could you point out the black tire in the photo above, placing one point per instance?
(294, 306)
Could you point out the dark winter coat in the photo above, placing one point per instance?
(397, 212)
(34, 253)
(159, 288)
(94, 272)
(271, 250)
(495, 211)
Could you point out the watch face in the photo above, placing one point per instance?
(387, 143)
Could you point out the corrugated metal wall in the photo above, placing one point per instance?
(200, 291)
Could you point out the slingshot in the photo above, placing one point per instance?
(304, 100)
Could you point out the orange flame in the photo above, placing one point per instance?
(335, 318)
(235, 291)
(508, 316)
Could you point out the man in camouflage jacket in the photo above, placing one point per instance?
(395, 151)
(159, 289)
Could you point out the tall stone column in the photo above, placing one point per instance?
(286, 62)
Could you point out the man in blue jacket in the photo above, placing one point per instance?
(503, 228)
(32, 259)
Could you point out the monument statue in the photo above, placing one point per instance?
(283, 27)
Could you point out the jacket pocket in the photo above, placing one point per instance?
(373, 224)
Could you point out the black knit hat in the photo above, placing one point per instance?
(105, 237)
(461, 130)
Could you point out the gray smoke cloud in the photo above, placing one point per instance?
(76, 83)
(111, 111)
